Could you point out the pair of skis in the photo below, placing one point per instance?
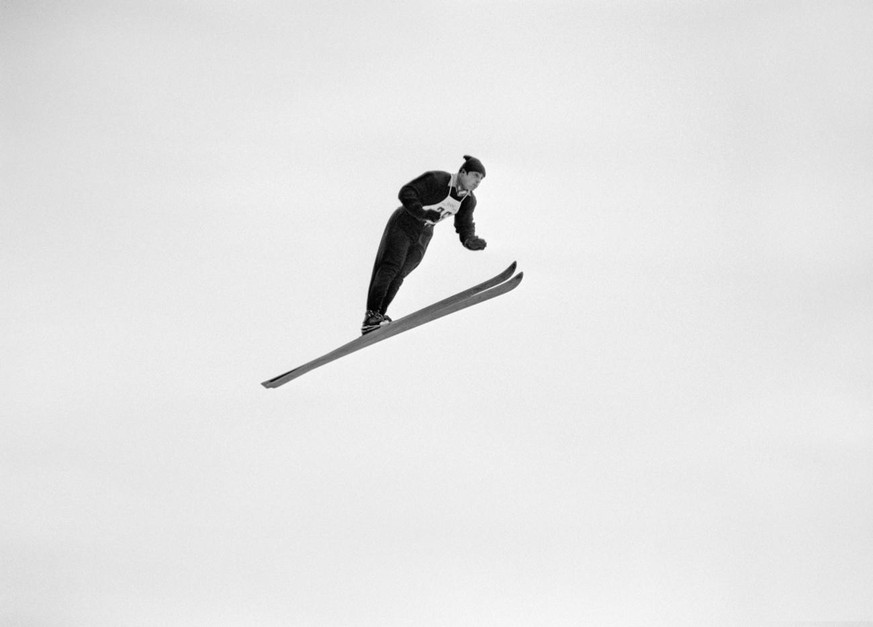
(493, 287)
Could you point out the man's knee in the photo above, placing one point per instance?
(412, 260)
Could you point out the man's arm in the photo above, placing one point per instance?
(465, 227)
(425, 186)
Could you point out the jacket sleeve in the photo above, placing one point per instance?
(412, 193)
(464, 225)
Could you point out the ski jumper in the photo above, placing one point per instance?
(410, 229)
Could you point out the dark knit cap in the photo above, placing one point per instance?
(472, 164)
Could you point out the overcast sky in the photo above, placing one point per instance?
(668, 422)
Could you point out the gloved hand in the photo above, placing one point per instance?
(433, 215)
(475, 243)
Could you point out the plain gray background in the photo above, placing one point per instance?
(668, 422)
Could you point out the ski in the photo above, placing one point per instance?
(493, 287)
(503, 288)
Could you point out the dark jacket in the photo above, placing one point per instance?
(432, 187)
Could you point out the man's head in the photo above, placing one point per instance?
(471, 173)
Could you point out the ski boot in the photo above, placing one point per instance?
(373, 320)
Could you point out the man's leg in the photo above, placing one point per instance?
(390, 261)
(413, 257)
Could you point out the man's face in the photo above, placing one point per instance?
(469, 180)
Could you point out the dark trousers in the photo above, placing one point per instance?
(402, 248)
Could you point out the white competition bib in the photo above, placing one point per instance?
(447, 207)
